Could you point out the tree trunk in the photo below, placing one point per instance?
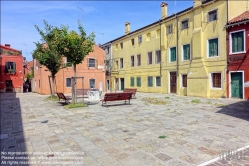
(53, 78)
(74, 85)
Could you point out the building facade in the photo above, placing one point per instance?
(238, 57)
(11, 69)
(91, 68)
(184, 53)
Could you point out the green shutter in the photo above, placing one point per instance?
(213, 47)
(185, 52)
(132, 81)
(150, 82)
(238, 41)
(138, 81)
(173, 54)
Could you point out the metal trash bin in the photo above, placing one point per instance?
(94, 94)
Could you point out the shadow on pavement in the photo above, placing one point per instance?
(238, 110)
(13, 146)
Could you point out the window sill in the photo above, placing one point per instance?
(213, 88)
(234, 53)
(213, 56)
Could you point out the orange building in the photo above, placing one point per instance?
(11, 69)
(91, 68)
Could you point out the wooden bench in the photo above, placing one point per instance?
(132, 90)
(63, 97)
(116, 96)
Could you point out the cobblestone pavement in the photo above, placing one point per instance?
(192, 131)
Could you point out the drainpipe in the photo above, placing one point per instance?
(177, 57)
(160, 47)
(227, 51)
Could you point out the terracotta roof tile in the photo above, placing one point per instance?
(244, 16)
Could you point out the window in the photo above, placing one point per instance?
(10, 67)
(213, 47)
(91, 62)
(121, 63)
(132, 42)
(149, 58)
(158, 56)
(68, 82)
(212, 15)
(216, 80)
(186, 52)
(158, 81)
(116, 64)
(132, 81)
(91, 83)
(185, 24)
(173, 54)
(184, 80)
(132, 61)
(121, 45)
(237, 42)
(169, 29)
(150, 81)
(138, 60)
(138, 81)
(107, 50)
(148, 36)
(158, 33)
(67, 63)
(116, 46)
(140, 39)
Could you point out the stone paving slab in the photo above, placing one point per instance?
(194, 130)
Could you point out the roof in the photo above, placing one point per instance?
(154, 23)
(8, 48)
(243, 17)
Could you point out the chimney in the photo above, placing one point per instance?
(127, 27)
(164, 7)
(7, 45)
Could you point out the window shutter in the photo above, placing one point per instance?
(14, 67)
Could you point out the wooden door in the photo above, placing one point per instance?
(172, 82)
(236, 86)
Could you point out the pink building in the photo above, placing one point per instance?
(91, 68)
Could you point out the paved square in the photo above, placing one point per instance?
(193, 130)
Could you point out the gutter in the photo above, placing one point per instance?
(237, 23)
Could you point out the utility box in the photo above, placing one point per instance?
(94, 94)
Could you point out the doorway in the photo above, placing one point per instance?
(172, 82)
(9, 87)
(237, 85)
(121, 83)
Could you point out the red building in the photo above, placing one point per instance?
(238, 57)
(11, 69)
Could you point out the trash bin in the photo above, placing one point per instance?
(93, 94)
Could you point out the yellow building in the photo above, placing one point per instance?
(185, 53)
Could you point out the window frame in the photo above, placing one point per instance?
(170, 55)
(132, 81)
(121, 65)
(150, 58)
(156, 81)
(156, 58)
(230, 42)
(70, 82)
(189, 52)
(89, 62)
(138, 85)
(139, 61)
(132, 42)
(13, 67)
(90, 82)
(185, 20)
(218, 52)
(168, 28)
(182, 81)
(211, 80)
(211, 11)
(121, 45)
(132, 61)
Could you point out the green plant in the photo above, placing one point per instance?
(29, 76)
(167, 97)
(196, 101)
(75, 105)
(150, 100)
(162, 136)
(52, 98)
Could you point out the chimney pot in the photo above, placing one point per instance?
(7, 45)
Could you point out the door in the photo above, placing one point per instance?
(8, 84)
(122, 83)
(172, 82)
(236, 85)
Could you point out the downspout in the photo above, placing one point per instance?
(177, 58)
(227, 52)
(160, 48)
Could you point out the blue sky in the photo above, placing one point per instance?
(105, 18)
